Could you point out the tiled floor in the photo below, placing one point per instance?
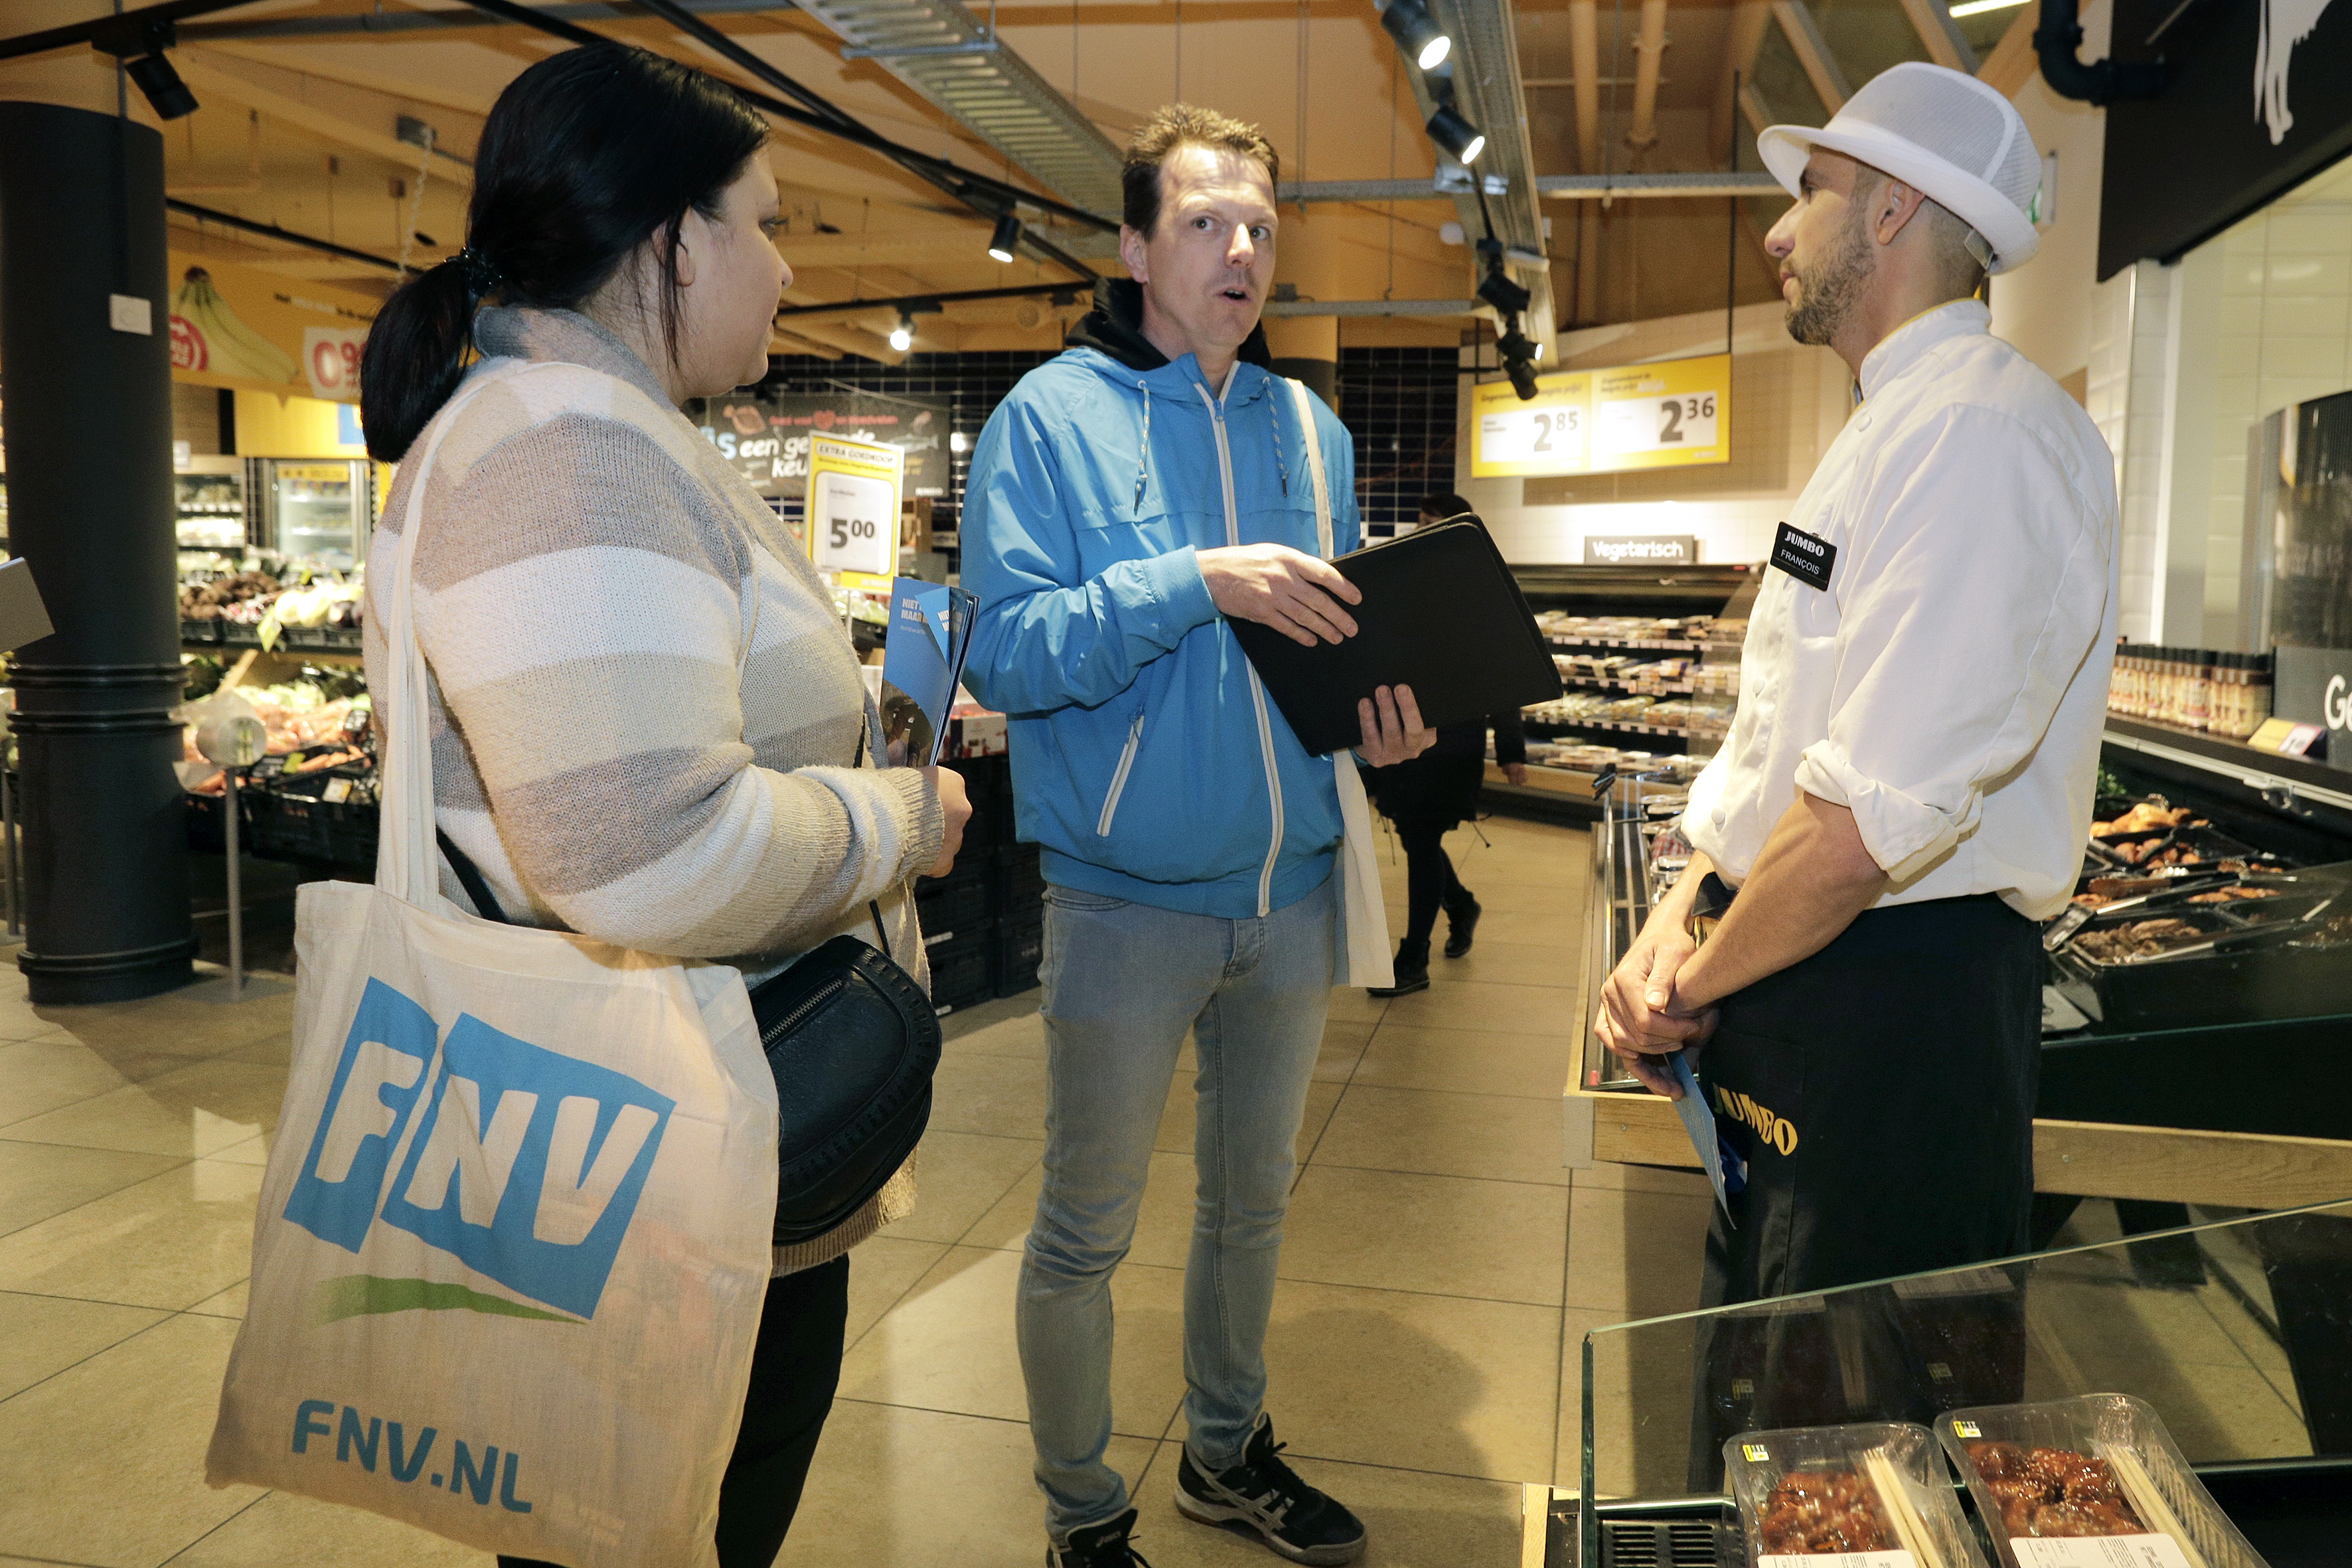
(1440, 1268)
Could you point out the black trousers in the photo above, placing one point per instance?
(1882, 1095)
(795, 1366)
(1429, 879)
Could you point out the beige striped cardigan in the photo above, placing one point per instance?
(645, 714)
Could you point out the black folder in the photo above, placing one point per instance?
(1441, 613)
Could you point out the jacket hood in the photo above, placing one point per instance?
(1115, 328)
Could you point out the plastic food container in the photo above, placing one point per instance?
(2149, 1508)
(1871, 1495)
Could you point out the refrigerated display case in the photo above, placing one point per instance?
(2249, 1371)
(209, 499)
(316, 511)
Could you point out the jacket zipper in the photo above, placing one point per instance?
(1119, 779)
(1257, 691)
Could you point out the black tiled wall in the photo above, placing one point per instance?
(1397, 403)
(1399, 406)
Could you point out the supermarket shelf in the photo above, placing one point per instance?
(1621, 725)
(1645, 689)
(1668, 645)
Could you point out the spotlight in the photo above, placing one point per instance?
(902, 336)
(955, 442)
(1004, 243)
(1518, 353)
(1408, 22)
(162, 84)
(140, 47)
(1497, 289)
(1456, 134)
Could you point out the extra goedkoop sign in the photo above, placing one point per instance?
(256, 331)
(1672, 414)
(853, 507)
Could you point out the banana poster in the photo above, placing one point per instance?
(259, 331)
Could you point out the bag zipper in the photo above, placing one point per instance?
(1257, 691)
(809, 1004)
(1119, 779)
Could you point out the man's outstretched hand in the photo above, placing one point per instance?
(1393, 729)
(1298, 595)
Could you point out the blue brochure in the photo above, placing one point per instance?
(1725, 1172)
(930, 633)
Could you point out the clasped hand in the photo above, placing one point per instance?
(1642, 1017)
(1304, 597)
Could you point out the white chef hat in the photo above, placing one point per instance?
(1941, 132)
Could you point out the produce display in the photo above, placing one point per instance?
(2054, 1491)
(1712, 630)
(1814, 1513)
(258, 597)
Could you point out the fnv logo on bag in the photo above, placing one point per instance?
(525, 1165)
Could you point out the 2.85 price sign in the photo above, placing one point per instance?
(1670, 413)
(853, 504)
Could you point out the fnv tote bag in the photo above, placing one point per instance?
(513, 1240)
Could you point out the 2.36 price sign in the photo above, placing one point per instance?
(1666, 413)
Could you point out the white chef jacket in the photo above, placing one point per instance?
(1950, 685)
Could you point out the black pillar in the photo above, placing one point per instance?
(88, 427)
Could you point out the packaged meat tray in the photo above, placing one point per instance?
(2090, 1482)
(1871, 1495)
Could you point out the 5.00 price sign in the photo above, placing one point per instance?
(853, 504)
(1667, 415)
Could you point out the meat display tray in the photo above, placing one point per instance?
(2286, 956)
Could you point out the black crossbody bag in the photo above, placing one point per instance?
(853, 1042)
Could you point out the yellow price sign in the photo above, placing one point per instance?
(1668, 414)
(853, 504)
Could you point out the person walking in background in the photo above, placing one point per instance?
(647, 724)
(1429, 796)
(1125, 499)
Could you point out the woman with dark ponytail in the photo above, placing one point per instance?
(647, 724)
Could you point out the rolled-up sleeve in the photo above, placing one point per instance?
(1970, 597)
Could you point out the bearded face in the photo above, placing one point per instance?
(1828, 286)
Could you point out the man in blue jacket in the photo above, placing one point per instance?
(1125, 501)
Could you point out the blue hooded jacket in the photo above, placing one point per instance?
(1147, 760)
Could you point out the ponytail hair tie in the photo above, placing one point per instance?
(481, 277)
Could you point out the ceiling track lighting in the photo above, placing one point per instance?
(1409, 23)
(141, 51)
(902, 336)
(1006, 243)
(1456, 134)
(1498, 290)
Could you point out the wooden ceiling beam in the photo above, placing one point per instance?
(1812, 51)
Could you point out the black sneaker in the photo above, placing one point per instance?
(1265, 1497)
(1412, 970)
(1104, 1546)
(1459, 924)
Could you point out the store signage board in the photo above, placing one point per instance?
(2313, 687)
(2255, 106)
(1671, 414)
(767, 439)
(256, 331)
(1641, 550)
(853, 504)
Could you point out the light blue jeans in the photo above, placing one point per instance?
(1123, 982)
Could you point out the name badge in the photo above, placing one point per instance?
(1803, 556)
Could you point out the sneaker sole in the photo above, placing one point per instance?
(1202, 1511)
(1386, 991)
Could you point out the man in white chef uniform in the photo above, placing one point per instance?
(1907, 786)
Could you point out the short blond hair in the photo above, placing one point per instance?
(1182, 125)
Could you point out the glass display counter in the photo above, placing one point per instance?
(2250, 1372)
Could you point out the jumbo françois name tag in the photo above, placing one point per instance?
(1804, 556)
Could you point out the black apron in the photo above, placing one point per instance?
(1880, 1093)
